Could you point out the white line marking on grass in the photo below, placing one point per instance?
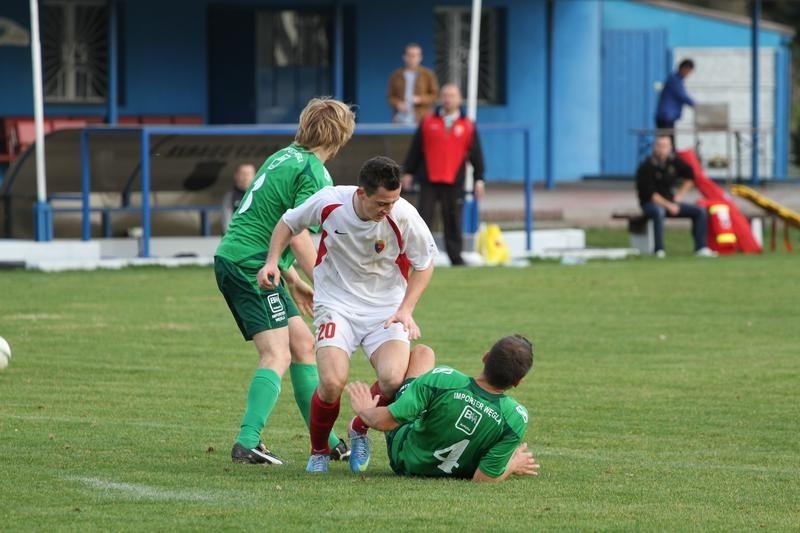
(137, 491)
(34, 316)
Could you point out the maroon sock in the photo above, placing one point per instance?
(321, 420)
(357, 424)
(375, 389)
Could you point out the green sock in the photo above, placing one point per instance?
(305, 380)
(261, 398)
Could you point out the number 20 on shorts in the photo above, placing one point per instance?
(326, 331)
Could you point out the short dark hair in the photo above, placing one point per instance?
(378, 172)
(686, 63)
(508, 361)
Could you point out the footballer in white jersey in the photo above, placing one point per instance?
(375, 260)
(362, 265)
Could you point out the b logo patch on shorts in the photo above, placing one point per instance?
(276, 307)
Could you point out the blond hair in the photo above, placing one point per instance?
(325, 123)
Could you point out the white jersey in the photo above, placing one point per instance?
(362, 264)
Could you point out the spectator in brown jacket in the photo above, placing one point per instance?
(412, 89)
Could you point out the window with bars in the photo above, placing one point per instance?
(291, 38)
(75, 51)
(452, 36)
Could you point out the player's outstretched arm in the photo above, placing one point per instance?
(269, 276)
(365, 406)
(303, 250)
(417, 283)
(521, 463)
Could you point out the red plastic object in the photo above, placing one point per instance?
(745, 241)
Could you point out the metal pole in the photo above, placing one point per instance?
(548, 98)
(86, 228)
(526, 173)
(145, 142)
(756, 15)
(38, 102)
(43, 221)
(474, 49)
(338, 51)
(472, 108)
(111, 99)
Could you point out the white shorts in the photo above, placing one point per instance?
(348, 332)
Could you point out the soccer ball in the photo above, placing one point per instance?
(5, 353)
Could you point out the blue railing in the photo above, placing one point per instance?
(146, 132)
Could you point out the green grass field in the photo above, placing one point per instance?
(664, 397)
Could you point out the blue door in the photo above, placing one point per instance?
(634, 63)
(264, 65)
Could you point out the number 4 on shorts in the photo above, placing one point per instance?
(449, 456)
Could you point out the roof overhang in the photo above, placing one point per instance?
(717, 15)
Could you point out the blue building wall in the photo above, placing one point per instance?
(576, 89)
(525, 82)
(690, 30)
(165, 66)
(683, 29)
(173, 80)
(525, 94)
(164, 61)
(16, 80)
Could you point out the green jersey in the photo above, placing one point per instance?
(450, 426)
(285, 180)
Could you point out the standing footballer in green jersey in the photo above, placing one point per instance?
(270, 318)
(444, 423)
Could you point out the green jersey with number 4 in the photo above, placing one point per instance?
(450, 426)
(285, 180)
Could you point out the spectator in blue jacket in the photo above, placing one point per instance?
(673, 97)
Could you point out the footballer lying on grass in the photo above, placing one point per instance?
(444, 423)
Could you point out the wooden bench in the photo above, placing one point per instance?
(641, 233)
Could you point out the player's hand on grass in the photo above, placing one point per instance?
(269, 276)
(522, 462)
(360, 396)
(404, 318)
(303, 296)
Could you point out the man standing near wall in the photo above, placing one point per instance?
(673, 97)
(412, 88)
(439, 152)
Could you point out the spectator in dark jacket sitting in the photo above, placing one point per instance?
(656, 179)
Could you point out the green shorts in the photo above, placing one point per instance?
(395, 439)
(254, 309)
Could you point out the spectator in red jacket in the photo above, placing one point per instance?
(442, 145)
